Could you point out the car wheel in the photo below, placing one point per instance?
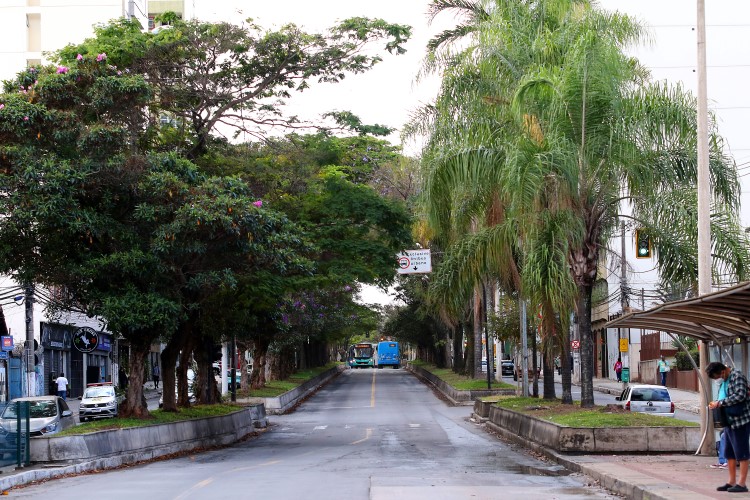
(82, 419)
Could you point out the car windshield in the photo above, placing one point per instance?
(650, 395)
(98, 392)
(37, 409)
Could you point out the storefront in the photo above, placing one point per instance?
(82, 353)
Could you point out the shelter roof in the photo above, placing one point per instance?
(721, 316)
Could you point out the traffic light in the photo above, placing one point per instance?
(642, 244)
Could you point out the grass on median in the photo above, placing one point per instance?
(275, 388)
(272, 389)
(460, 382)
(575, 416)
(157, 417)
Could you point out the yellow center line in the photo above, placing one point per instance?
(206, 482)
(372, 393)
(368, 433)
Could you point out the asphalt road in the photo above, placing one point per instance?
(369, 434)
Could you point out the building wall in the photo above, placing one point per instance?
(32, 28)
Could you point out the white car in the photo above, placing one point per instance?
(98, 401)
(645, 398)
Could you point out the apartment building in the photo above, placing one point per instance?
(32, 29)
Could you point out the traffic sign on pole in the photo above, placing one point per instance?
(414, 261)
(575, 344)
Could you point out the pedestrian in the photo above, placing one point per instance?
(722, 462)
(738, 431)
(155, 374)
(62, 386)
(618, 369)
(663, 367)
(123, 377)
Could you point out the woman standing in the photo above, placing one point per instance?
(738, 432)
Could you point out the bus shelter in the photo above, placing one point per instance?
(721, 318)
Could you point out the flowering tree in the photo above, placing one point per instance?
(210, 74)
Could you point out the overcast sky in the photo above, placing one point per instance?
(388, 94)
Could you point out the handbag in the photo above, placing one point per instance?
(720, 417)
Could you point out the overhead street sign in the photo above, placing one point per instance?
(414, 261)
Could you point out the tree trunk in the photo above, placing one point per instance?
(168, 364)
(458, 351)
(534, 367)
(548, 375)
(587, 346)
(566, 368)
(477, 368)
(258, 377)
(205, 388)
(135, 402)
(183, 384)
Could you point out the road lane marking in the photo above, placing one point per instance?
(320, 427)
(368, 433)
(372, 393)
(251, 467)
(414, 426)
(187, 493)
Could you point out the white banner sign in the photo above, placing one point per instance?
(414, 261)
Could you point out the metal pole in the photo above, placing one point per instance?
(234, 370)
(488, 349)
(524, 353)
(704, 209)
(29, 346)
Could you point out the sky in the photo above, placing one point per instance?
(389, 93)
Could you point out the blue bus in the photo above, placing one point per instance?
(388, 354)
(361, 355)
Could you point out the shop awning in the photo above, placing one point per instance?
(721, 316)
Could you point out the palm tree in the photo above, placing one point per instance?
(612, 139)
(586, 136)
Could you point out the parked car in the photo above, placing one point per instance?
(507, 367)
(98, 401)
(47, 415)
(645, 398)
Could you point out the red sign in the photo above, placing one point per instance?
(6, 343)
(575, 344)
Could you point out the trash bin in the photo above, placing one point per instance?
(625, 374)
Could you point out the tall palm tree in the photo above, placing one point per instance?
(586, 136)
(611, 140)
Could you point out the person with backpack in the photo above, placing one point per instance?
(618, 369)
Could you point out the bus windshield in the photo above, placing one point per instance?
(362, 351)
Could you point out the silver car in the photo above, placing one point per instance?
(98, 401)
(645, 398)
(47, 415)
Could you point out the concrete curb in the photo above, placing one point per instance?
(629, 484)
(283, 403)
(456, 397)
(114, 448)
(594, 440)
